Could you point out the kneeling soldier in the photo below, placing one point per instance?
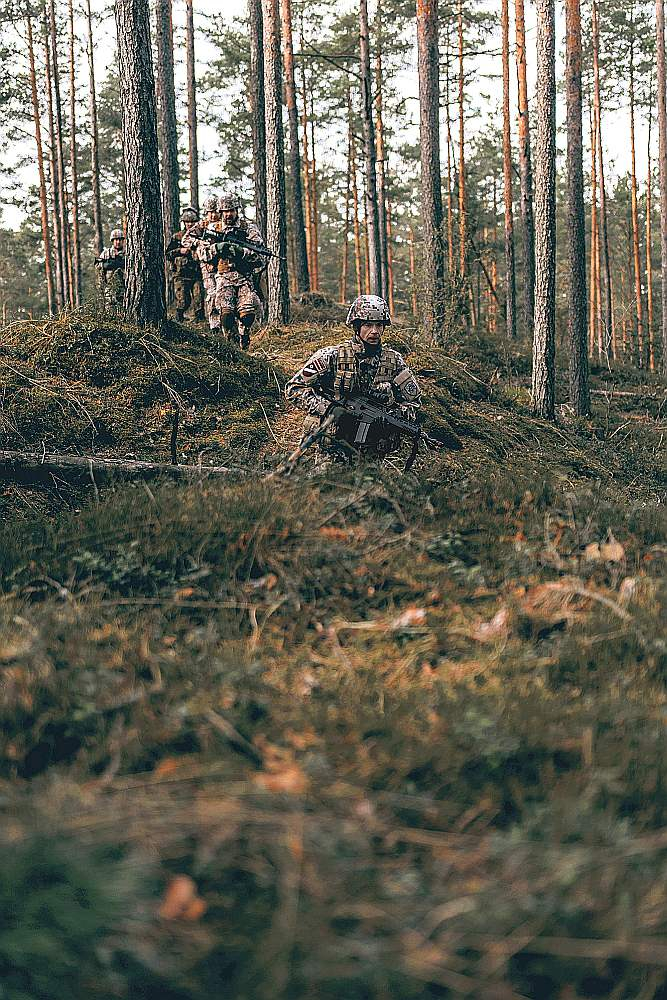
(362, 366)
(186, 274)
(110, 267)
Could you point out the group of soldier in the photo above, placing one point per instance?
(214, 269)
(216, 272)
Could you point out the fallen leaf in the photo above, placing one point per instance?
(409, 618)
(181, 901)
(288, 780)
(183, 593)
(335, 534)
(497, 628)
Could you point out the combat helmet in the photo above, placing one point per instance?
(368, 309)
(229, 202)
(211, 203)
(189, 214)
(117, 234)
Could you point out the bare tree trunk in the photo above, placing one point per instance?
(372, 216)
(525, 169)
(314, 196)
(390, 258)
(275, 165)
(544, 375)
(60, 162)
(595, 243)
(662, 129)
(413, 273)
(355, 207)
(144, 266)
(61, 299)
(190, 71)
(346, 232)
(649, 243)
(94, 140)
(639, 305)
(463, 227)
(44, 209)
(450, 207)
(433, 264)
(166, 105)
(76, 241)
(381, 160)
(606, 265)
(302, 278)
(577, 325)
(510, 276)
(307, 186)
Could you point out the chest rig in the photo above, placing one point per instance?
(357, 373)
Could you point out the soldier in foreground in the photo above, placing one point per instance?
(186, 273)
(110, 267)
(360, 368)
(194, 242)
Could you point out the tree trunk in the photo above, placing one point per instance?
(381, 161)
(639, 305)
(307, 186)
(43, 204)
(144, 266)
(275, 166)
(595, 243)
(525, 169)
(649, 243)
(166, 106)
(413, 273)
(355, 208)
(41, 469)
(450, 207)
(53, 169)
(603, 232)
(372, 216)
(662, 130)
(63, 215)
(346, 232)
(433, 264)
(76, 240)
(190, 71)
(577, 325)
(544, 376)
(510, 276)
(390, 258)
(94, 140)
(314, 196)
(302, 278)
(463, 228)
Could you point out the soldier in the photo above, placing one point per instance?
(195, 242)
(362, 365)
(110, 267)
(186, 273)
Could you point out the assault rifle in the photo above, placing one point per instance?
(367, 411)
(238, 241)
(110, 264)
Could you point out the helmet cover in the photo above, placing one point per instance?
(117, 234)
(368, 309)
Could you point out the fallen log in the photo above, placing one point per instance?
(28, 469)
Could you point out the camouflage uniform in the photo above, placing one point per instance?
(350, 369)
(110, 267)
(198, 245)
(186, 274)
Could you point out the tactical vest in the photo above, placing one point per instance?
(347, 370)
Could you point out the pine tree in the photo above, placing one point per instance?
(275, 165)
(302, 278)
(144, 267)
(662, 129)
(525, 168)
(372, 215)
(257, 110)
(166, 105)
(510, 276)
(190, 70)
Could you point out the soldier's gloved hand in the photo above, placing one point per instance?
(318, 406)
(384, 394)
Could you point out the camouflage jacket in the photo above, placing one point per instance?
(110, 262)
(183, 265)
(238, 260)
(346, 370)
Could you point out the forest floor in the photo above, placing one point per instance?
(345, 735)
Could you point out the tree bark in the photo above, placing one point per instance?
(94, 140)
(372, 215)
(639, 305)
(603, 229)
(144, 266)
(450, 207)
(510, 275)
(662, 130)
(43, 204)
(544, 375)
(577, 319)
(166, 105)
(63, 214)
(358, 267)
(649, 244)
(302, 277)
(594, 290)
(36, 469)
(190, 71)
(314, 196)
(433, 264)
(275, 165)
(76, 239)
(53, 170)
(381, 160)
(525, 169)
(463, 227)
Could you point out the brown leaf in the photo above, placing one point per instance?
(410, 618)
(287, 780)
(180, 900)
(497, 628)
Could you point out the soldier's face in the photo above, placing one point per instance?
(230, 216)
(371, 333)
(213, 216)
(119, 244)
